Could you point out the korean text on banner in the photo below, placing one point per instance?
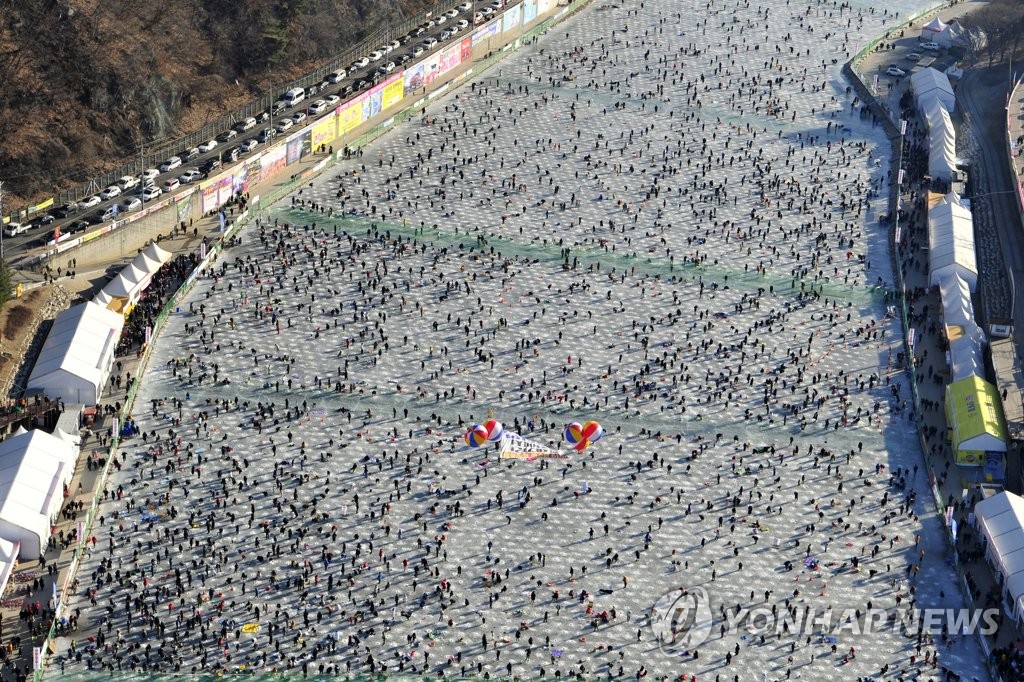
(485, 32)
(325, 130)
(413, 79)
(394, 88)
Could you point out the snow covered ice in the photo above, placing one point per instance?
(663, 218)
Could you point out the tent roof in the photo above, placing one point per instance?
(929, 79)
(156, 253)
(102, 298)
(33, 467)
(146, 264)
(1002, 520)
(936, 25)
(951, 240)
(977, 418)
(80, 340)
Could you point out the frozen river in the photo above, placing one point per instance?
(662, 218)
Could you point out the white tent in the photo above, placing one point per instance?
(951, 242)
(1001, 521)
(930, 84)
(932, 29)
(154, 252)
(129, 283)
(102, 298)
(146, 264)
(34, 468)
(941, 142)
(9, 552)
(965, 337)
(76, 357)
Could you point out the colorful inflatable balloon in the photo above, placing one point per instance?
(494, 430)
(582, 445)
(592, 431)
(573, 433)
(476, 436)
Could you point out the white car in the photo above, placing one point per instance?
(452, 13)
(172, 185)
(127, 182)
(394, 45)
(441, 18)
(487, 11)
(429, 43)
(337, 76)
(317, 107)
(360, 63)
(298, 117)
(463, 23)
(208, 146)
(150, 193)
(247, 124)
(170, 164)
(89, 202)
(914, 57)
(148, 175)
(386, 68)
(466, 6)
(333, 100)
(248, 146)
(14, 229)
(417, 51)
(110, 192)
(896, 71)
(130, 204)
(376, 56)
(930, 45)
(191, 175)
(284, 124)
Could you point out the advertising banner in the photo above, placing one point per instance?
(467, 49)
(224, 190)
(431, 68)
(450, 58)
(394, 88)
(298, 145)
(372, 103)
(413, 79)
(273, 161)
(529, 11)
(351, 115)
(209, 191)
(485, 32)
(325, 130)
(511, 19)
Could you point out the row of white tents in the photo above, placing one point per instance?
(935, 99)
(1000, 520)
(36, 468)
(78, 353)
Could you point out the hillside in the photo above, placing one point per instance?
(84, 80)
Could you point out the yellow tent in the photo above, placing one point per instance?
(976, 421)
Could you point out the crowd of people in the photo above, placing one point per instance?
(662, 220)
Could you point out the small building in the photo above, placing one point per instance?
(977, 429)
(1000, 521)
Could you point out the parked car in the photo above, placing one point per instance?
(131, 204)
(171, 185)
(227, 135)
(463, 24)
(13, 229)
(429, 43)
(385, 68)
(418, 50)
(376, 56)
(67, 210)
(930, 45)
(914, 57)
(452, 13)
(278, 106)
(170, 164)
(232, 154)
(210, 166)
(317, 107)
(191, 175)
(41, 220)
(248, 146)
(208, 146)
(89, 202)
(110, 192)
(107, 214)
(148, 174)
(284, 124)
(75, 227)
(360, 63)
(128, 182)
(896, 71)
(466, 6)
(337, 76)
(247, 124)
(192, 154)
(447, 34)
(298, 117)
(266, 135)
(150, 193)
(333, 101)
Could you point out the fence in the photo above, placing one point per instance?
(257, 205)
